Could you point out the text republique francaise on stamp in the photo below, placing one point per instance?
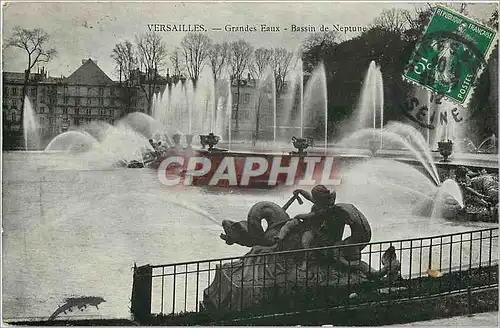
(451, 55)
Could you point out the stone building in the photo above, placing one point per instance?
(88, 94)
(41, 94)
(60, 104)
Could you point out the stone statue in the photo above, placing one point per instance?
(480, 195)
(480, 192)
(264, 265)
(323, 204)
(250, 232)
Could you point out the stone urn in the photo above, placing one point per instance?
(189, 140)
(177, 140)
(445, 148)
(209, 140)
(301, 144)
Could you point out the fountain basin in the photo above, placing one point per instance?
(242, 168)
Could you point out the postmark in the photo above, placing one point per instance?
(451, 55)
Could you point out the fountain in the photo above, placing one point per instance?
(30, 126)
(292, 109)
(371, 102)
(396, 140)
(491, 143)
(142, 124)
(315, 106)
(73, 141)
(445, 148)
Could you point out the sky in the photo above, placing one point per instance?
(91, 29)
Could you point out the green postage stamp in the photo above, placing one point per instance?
(451, 55)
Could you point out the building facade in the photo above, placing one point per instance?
(60, 104)
(88, 94)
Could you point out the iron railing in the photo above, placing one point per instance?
(298, 279)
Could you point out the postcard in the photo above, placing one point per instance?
(249, 163)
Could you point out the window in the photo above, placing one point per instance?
(101, 91)
(14, 91)
(112, 91)
(13, 103)
(78, 90)
(112, 102)
(65, 89)
(101, 101)
(102, 112)
(42, 110)
(246, 98)
(77, 111)
(89, 112)
(89, 101)
(65, 111)
(13, 116)
(76, 121)
(66, 99)
(77, 101)
(33, 91)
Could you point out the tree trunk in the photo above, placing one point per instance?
(237, 105)
(257, 121)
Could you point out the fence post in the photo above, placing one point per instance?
(469, 302)
(141, 293)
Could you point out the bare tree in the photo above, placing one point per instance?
(151, 54)
(262, 59)
(176, 61)
(218, 58)
(34, 43)
(125, 59)
(393, 20)
(281, 60)
(240, 60)
(196, 47)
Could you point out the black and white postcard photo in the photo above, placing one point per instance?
(286, 163)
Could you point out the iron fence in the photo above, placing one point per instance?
(308, 279)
